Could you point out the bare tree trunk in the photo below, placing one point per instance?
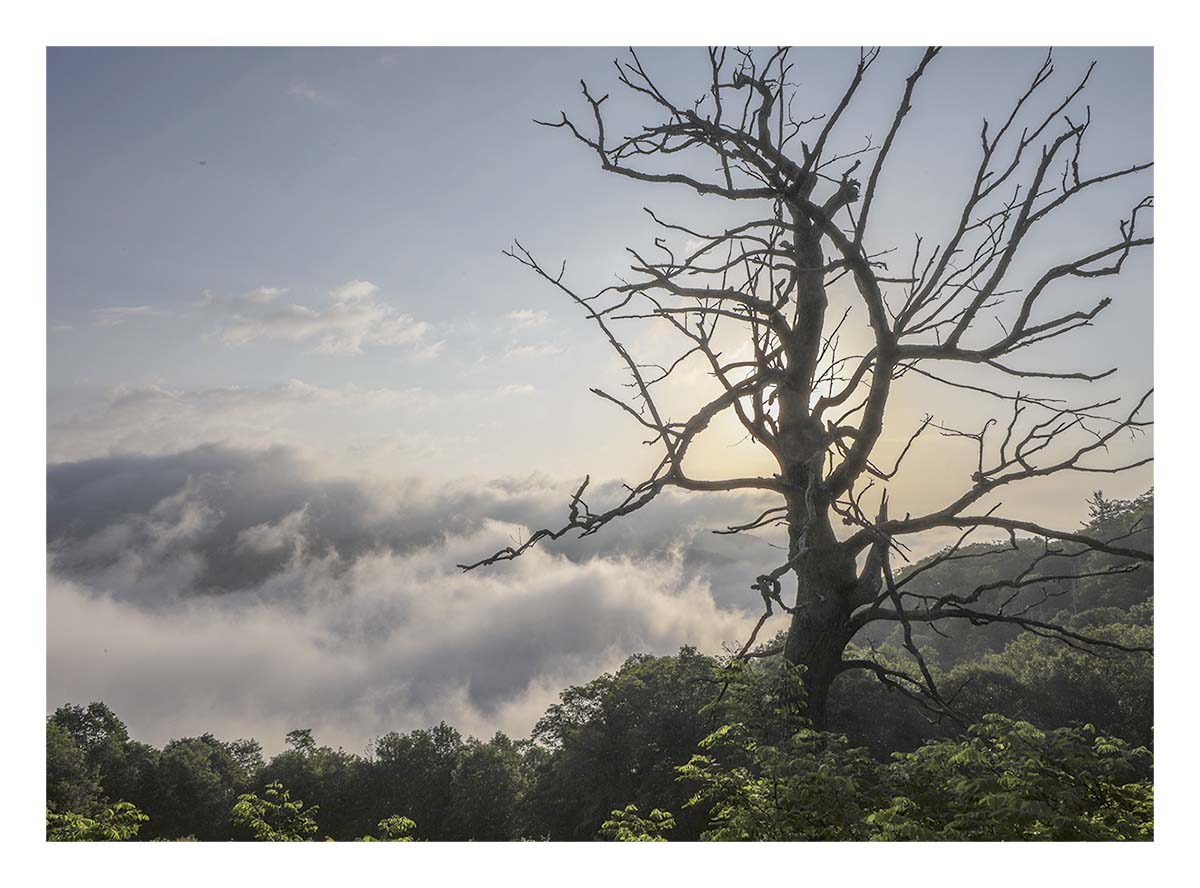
(825, 573)
(818, 632)
(819, 629)
(815, 640)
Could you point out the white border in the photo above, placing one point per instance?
(350, 22)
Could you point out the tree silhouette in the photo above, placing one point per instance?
(820, 415)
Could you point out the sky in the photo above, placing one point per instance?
(292, 380)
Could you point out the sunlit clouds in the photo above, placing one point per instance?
(353, 319)
(119, 314)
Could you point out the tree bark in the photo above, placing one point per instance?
(819, 629)
(825, 578)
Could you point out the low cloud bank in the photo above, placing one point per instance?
(242, 593)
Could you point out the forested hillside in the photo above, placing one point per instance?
(1049, 739)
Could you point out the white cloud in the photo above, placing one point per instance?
(285, 535)
(354, 319)
(157, 419)
(430, 351)
(354, 291)
(264, 294)
(527, 318)
(258, 296)
(118, 314)
(516, 388)
(532, 351)
(301, 90)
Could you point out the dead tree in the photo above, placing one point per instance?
(766, 281)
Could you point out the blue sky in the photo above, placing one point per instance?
(300, 249)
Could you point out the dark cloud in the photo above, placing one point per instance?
(245, 515)
(247, 587)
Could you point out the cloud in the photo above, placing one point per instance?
(118, 314)
(429, 352)
(354, 291)
(259, 296)
(526, 318)
(286, 535)
(532, 351)
(156, 419)
(245, 594)
(355, 318)
(395, 645)
(301, 90)
(514, 389)
(264, 294)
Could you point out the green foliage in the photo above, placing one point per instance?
(301, 740)
(275, 818)
(94, 728)
(414, 773)
(811, 786)
(113, 824)
(881, 718)
(1034, 679)
(1089, 581)
(336, 781)
(393, 829)
(486, 786)
(1011, 781)
(247, 757)
(396, 829)
(618, 739)
(627, 825)
(195, 783)
(1050, 684)
(768, 776)
(71, 784)
(1006, 779)
(765, 696)
(761, 775)
(107, 758)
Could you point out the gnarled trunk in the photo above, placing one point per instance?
(815, 640)
(825, 578)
